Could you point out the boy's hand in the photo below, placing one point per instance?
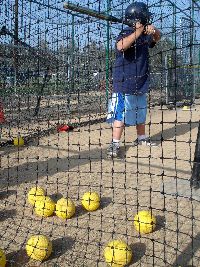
(139, 27)
(149, 29)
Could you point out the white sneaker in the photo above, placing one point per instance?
(147, 142)
(113, 150)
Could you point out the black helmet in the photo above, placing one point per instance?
(137, 11)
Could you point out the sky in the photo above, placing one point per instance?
(47, 20)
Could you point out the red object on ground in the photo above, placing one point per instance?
(2, 117)
(64, 128)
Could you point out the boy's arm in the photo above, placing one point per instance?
(126, 42)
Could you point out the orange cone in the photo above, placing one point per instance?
(2, 117)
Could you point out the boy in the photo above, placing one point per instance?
(128, 105)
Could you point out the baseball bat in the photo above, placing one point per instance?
(93, 13)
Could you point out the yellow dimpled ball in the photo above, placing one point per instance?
(145, 222)
(117, 253)
(2, 258)
(44, 206)
(34, 194)
(90, 201)
(39, 247)
(18, 141)
(65, 208)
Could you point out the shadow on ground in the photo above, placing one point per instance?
(138, 250)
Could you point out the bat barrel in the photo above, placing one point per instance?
(91, 12)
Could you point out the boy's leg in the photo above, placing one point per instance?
(118, 127)
(113, 149)
(140, 129)
(142, 139)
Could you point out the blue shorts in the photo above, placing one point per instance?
(130, 109)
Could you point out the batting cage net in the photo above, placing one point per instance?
(63, 202)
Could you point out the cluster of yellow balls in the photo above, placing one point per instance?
(64, 208)
(39, 247)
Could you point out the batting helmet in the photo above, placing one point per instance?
(137, 11)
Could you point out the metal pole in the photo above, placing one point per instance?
(174, 54)
(166, 81)
(195, 178)
(107, 52)
(199, 66)
(16, 34)
(72, 59)
(192, 53)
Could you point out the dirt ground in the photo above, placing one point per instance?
(71, 163)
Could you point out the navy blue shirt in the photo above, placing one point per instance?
(131, 69)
